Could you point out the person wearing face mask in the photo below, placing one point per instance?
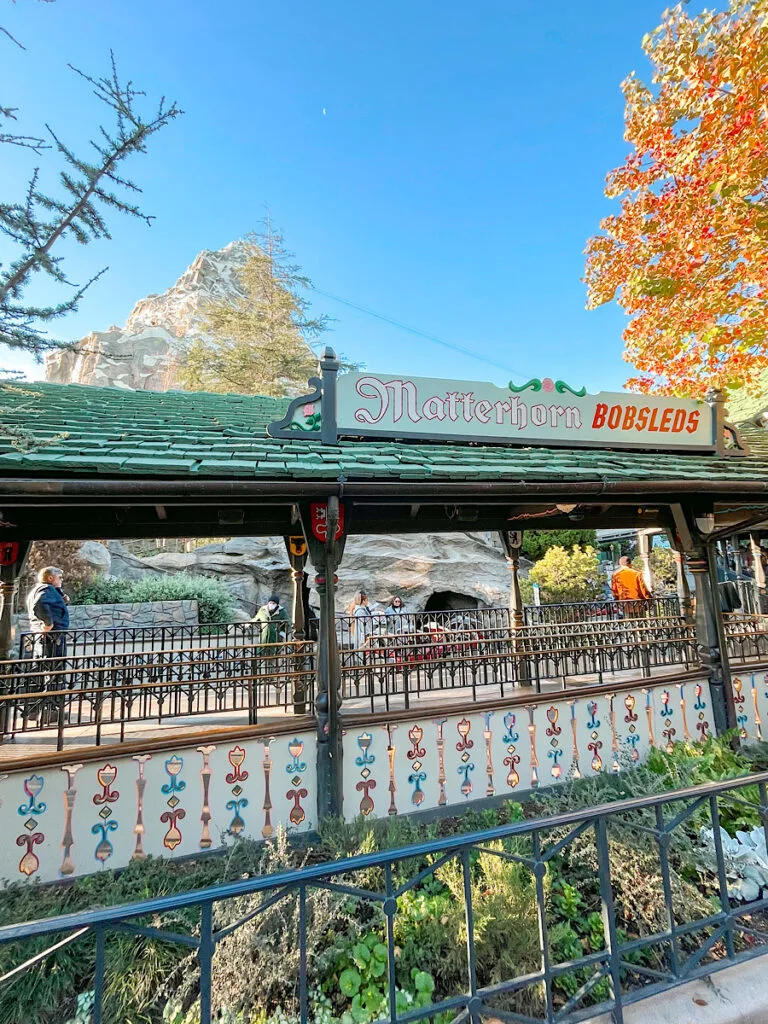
(397, 616)
(273, 621)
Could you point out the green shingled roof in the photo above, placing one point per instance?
(112, 432)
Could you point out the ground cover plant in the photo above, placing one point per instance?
(255, 968)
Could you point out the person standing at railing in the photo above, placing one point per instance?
(272, 620)
(362, 623)
(627, 584)
(398, 616)
(48, 619)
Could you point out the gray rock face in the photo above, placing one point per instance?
(142, 355)
(96, 555)
(468, 565)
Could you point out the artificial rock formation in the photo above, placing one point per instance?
(418, 566)
(142, 355)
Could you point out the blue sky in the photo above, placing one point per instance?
(451, 183)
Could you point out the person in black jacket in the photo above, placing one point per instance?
(48, 618)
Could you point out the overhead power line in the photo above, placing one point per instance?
(421, 334)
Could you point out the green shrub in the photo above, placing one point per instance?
(214, 601)
(568, 575)
(663, 569)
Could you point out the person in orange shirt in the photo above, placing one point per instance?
(628, 584)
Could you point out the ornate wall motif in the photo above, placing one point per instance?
(436, 760)
(750, 698)
(69, 820)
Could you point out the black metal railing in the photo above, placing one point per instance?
(351, 630)
(409, 666)
(587, 611)
(747, 638)
(96, 691)
(557, 983)
(137, 639)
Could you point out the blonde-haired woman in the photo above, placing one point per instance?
(362, 623)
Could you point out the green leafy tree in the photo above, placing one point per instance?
(257, 343)
(537, 542)
(568, 575)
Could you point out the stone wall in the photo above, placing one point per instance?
(106, 616)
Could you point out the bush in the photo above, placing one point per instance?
(568, 576)
(214, 601)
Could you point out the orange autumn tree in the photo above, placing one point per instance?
(687, 255)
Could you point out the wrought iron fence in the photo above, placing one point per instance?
(350, 629)
(559, 984)
(94, 691)
(98, 690)
(408, 666)
(137, 639)
(587, 611)
(747, 639)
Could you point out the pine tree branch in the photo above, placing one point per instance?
(44, 220)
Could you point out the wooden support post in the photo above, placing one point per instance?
(758, 570)
(297, 556)
(710, 633)
(13, 557)
(512, 541)
(324, 530)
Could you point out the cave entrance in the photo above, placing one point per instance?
(449, 601)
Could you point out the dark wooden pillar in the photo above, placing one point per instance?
(710, 635)
(13, 556)
(324, 529)
(710, 632)
(681, 579)
(296, 547)
(512, 540)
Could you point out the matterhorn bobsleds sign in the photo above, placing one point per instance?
(539, 412)
(543, 412)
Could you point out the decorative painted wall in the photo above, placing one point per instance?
(395, 765)
(76, 818)
(750, 696)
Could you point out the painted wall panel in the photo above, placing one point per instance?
(77, 818)
(430, 761)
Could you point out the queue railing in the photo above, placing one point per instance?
(107, 693)
(98, 691)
